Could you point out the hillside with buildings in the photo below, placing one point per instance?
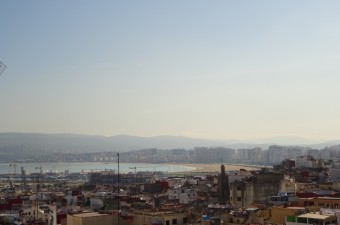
(299, 191)
(71, 147)
(249, 156)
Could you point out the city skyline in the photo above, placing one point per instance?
(240, 70)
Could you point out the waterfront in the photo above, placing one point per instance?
(8, 168)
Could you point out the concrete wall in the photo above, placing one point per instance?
(142, 218)
(279, 213)
(266, 185)
(241, 194)
(101, 219)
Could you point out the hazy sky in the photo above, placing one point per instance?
(212, 69)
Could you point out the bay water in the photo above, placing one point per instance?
(11, 168)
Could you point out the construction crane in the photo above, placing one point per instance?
(23, 179)
(14, 171)
(135, 168)
(38, 179)
(139, 167)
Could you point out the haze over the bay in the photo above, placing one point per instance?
(242, 70)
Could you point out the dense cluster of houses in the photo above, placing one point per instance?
(303, 191)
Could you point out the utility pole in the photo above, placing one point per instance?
(118, 191)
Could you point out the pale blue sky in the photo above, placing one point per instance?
(211, 69)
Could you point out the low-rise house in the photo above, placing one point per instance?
(160, 217)
(92, 218)
(184, 196)
(316, 218)
(279, 213)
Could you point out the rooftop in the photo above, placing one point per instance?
(91, 214)
(316, 216)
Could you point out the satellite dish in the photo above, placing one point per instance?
(2, 67)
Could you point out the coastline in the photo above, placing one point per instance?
(215, 167)
(124, 167)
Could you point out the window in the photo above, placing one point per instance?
(301, 220)
(174, 221)
(185, 220)
(167, 222)
(314, 221)
(239, 199)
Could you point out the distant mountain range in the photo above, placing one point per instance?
(13, 145)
